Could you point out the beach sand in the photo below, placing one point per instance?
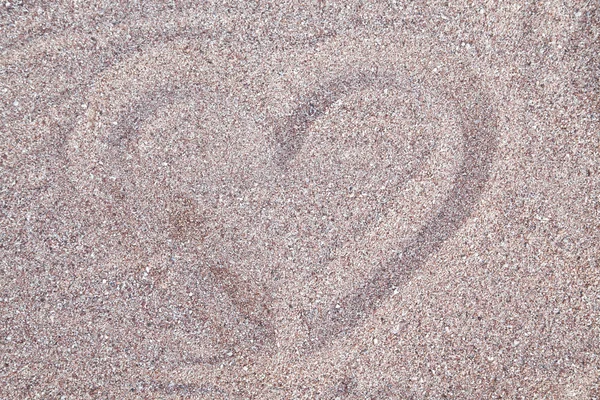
(300, 200)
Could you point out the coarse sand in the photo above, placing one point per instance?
(299, 200)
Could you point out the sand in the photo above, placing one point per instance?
(300, 200)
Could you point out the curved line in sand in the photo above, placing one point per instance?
(478, 122)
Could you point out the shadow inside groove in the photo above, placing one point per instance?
(181, 217)
(478, 123)
(290, 136)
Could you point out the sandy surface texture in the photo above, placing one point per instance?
(299, 200)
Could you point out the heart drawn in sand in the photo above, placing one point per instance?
(291, 210)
